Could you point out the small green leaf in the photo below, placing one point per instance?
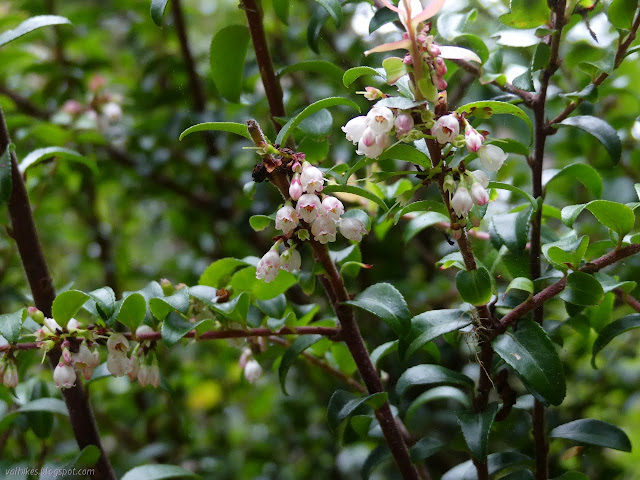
(323, 67)
(419, 223)
(431, 375)
(354, 73)
(217, 274)
(344, 404)
(355, 190)
(298, 346)
(157, 11)
(588, 431)
(11, 323)
(382, 351)
(511, 229)
(588, 93)
(621, 13)
(514, 189)
(41, 423)
(475, 429)
(615, 216)
(318, 18)
(425, 448)
(582, 289)
(334, 9)
(438, 393)
(179, 301)
(67, 304)
(46, 404)
(531, 354)
(600, 129)
(611, 331)
(567, 251)
(585, 174)
(488, 108)
(175, 326)
(430, 325)
(30, 25)
(526, 14)
(42, 154)
(6, 184)
(281, 7)
(133, 311)
(474, 286)
(387, 303)
(245, 281)
(292, 124)
(228, 51)
(237, 128)
(406, 153)
(158, 472)
(521, 283)
(259, 222)
(382, 17)
(394, 68)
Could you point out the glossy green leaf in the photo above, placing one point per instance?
(161, 307)
(334, 9)
(611, 331)
(237, 128)
(354, 73)
(382, 17)
(474, 286)
(582, 289)
(11, 324)
(175, 326)
(475, 429)
(292, 124)
(30, 25)
(588, 93)
(386, 302)
(6, 184)
(511, 229)
(228, 51)
(394, 68)
(444, 392)
(585, 174)
(421, 206)
(245, 281)
(496, 462)
(407, 153)
(488, 108)
(67, 304)
(425, 448)
(355, 190)
(133, 311)
(615, 216)
(46, 404)
(298, 346)
(430, 325)
(521, 283)
(422, 221)
(514, 189)
(526, 14)
(566, 252)
(318, 18)
(588, 431)
(330, 70)
(41, 423)
(157, 11)
(382, 351)
(431, 375)
(533, 356)
(281, 8)
(377, 457)
(42, 154)
(219, 272)
(344, 404)
(621, 13)
(158, 472)
(600, 129)
(260, 222)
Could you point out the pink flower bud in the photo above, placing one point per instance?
(404, 124)
(440, 83)
(324, 229)
(64, 376)
(461, 202)
(479, 194)
(491, 157)
(434, 50)
(441, 67)
(372, 146)
(368, 138)
(308, 207)
(334, 207)
(295, 189)
(481, 177)
(252, 371)
(96, 83)
(312, 179)
(407, 60)
(268, 266)
(72, 107)
(372, 93)
(287, 219)
(355, 128)
(352, 229)
(473, 138)
(446, 128)
(51, 325)
(380, 120)
(290, 260)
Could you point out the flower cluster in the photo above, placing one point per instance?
(323, 215)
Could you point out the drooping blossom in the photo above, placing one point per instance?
(461, 201)
(268, 266)
(352, 229)
(491, 157)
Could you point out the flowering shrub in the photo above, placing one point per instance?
(464, 375)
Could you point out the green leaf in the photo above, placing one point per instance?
(382, 17)
(430, 325)
(425, 448)
(475, 429)
(67, 304)
(474, 286)
(382, 351)
(585, 174)
(588, 431)
(323, 67)
(298, 346)
(46, 404)
(386, 302)
(11, 324)
(158, 472)
(488, 108)
(88, 457)
(431, 375)
(526, 14)
(495, 463)
(281, 7)
(438, 393)
(529, 351)
(394, 68)
(355, 190)
(217, 274)
(419, 223)
(572, 476)
(588, 93)
(6, 184)
(245, 281)
(161, 307)
(30, 25)
(514, 189)
(311, 109)
(421, 206)
(406, 153)
(582, 289)
(600, 129)
(231, 127)
(611, 331)
(318, 18)
(157, 11)
(615, 216)
(334, 9)
(175, 326)
(260, 222)
(621, 13)
(521, 283)
(228, 51)
(133, 311)
(354, 73)
(41, 423)
(566, 252)
(511, 229)
(344, 404)
(42, 154)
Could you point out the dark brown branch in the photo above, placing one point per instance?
(24, 232)
(24, 104)
(625, 297)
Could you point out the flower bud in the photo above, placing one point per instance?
(36, 315)
(167, 286)
(441, 67)
(312, 179)
(440, 83)
(333, 207)
(461, 202)
(72, 107)
(64, 376)
(324, 229)
(407, 60)
(479, 194)
(404, 124)
(135, 368)
(372, 93)
(112, 111)
(290, 260)
(252, 371)
(491, 157)
(472, 138)
(434, 50)
(380, 120)
(295, 189)
(480, 177)
(268, 266)
(355, 128)
(144, 375)
(287, 219)
(96, 83)
(352, 229)
(154, 375)
(309, 207)
(446, 128)
(10, 377)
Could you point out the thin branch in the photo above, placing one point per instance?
(625, 297)
(82, 420)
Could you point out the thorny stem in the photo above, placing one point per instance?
(82, 419)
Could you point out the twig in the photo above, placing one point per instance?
(625, 297)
